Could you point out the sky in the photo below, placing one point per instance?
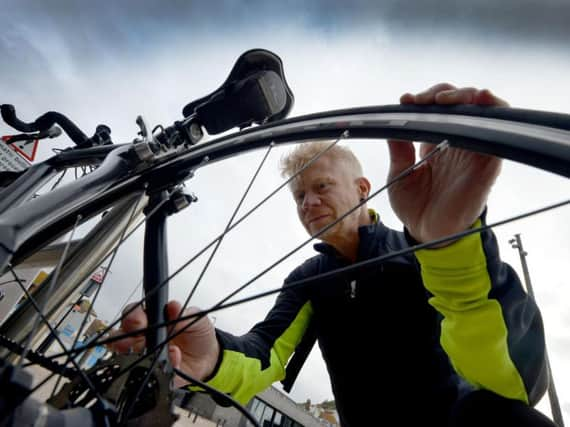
(109, 62)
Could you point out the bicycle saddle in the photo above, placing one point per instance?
(254, 92)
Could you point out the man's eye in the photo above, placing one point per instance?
(323, 185)
(299, 196)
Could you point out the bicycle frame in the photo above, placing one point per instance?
(537, 138)
(29, 226)
(506, 132)
(497, 131)
(37, 175)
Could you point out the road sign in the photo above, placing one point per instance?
(26, 149)
(10, 159)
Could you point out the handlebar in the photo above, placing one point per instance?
(45, 126)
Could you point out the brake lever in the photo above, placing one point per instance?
(52, 132)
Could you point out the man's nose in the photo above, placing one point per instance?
(310, 199)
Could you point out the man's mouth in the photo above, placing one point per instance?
(317, 218)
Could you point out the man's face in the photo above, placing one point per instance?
(324, 192)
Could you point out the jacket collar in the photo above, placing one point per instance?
(366, 233)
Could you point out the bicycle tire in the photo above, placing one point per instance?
(539, 139)
(534, 138)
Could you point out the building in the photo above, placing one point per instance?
(271, 408)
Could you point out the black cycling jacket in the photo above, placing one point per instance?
(396, 335)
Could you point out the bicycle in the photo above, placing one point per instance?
(143, 178)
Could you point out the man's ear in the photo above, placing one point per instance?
(363, 187)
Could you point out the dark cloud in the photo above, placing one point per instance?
(82, 35)
(138, 22)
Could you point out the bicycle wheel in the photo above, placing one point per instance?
(537, 139)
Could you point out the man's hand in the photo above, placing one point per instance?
(194, 351)
(448, 193)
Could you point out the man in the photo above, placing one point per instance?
(443, 337)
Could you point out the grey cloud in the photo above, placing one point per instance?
(81, 36)
(22, 61)
(138, 23)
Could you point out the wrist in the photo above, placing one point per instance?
(413, 240)
(214, 361)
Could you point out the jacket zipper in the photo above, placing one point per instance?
(353, 289)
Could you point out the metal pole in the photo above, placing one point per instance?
(516, 243)
(156, 271)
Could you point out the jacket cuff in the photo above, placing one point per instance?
(449, 270)
(413, 242)
(220, 358)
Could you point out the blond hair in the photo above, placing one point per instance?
(302, 154)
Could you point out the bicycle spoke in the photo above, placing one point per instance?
(155, 243)
(344, 134)
(219, 242)
(40, 314)
(401, 122)
(66, 352)
(106, 271)
(215, 308)
(441, 146)
(90, 309)
(308, 281)
(221, 396)
(198, 280)
(231, 225)
(7, 282)
(121, 240)
(58, 180)
(144, 382)
(94, 300)
(135, 289)
(42, 383)
(50, 286)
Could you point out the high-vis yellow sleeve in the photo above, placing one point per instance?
(474, 333)
(242, 376)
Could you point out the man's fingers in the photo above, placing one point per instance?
(175, 355)
(130, 322)
(469, 95)
(426, 148)
(402, 156)
(407, 98)
(427, 96)
(447, 94)
(134, 320)
(486, 97)
(465, 95)
(126, 345)
(173, 309)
